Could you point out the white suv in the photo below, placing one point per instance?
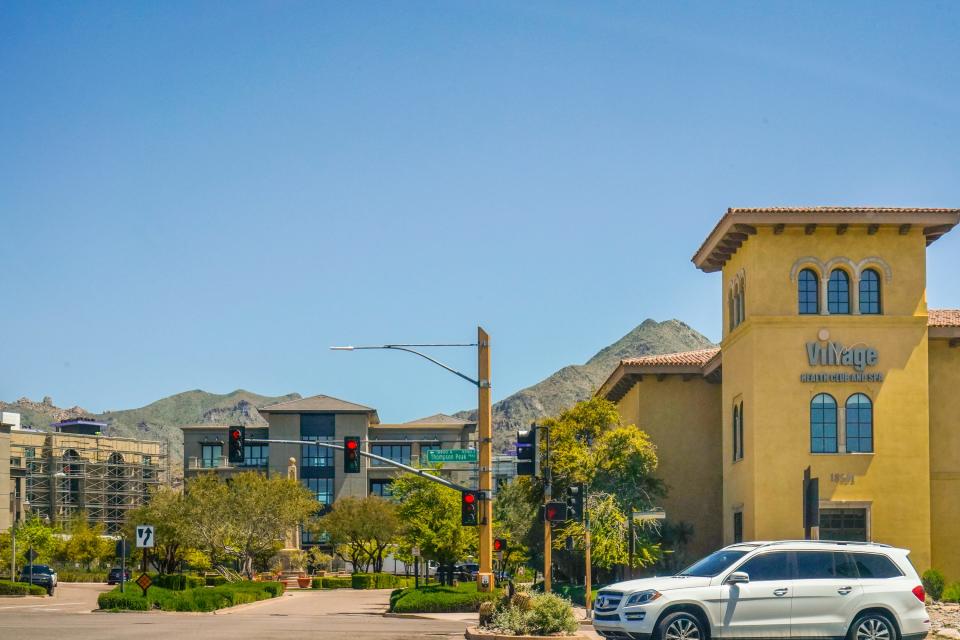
(786, 589)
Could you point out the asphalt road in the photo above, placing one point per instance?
(297, 614)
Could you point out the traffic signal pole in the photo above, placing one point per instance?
(485, 578)
(547, 524)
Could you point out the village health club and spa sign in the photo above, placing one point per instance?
(856, 358)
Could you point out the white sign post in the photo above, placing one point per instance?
(145, 537)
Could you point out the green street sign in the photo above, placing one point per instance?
(452, 455)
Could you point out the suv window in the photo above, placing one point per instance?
(714, 564)
(825, 565)
(874, 565)
(768, 566)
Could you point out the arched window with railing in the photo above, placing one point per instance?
(808, 292)
(870, 292)
(838, 292)
(859, 424)
(823, 424)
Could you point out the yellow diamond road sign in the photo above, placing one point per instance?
(144, 581)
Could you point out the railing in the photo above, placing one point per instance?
(218, 462)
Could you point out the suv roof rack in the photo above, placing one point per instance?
(840, 542)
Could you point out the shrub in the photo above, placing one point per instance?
(552, 614)
(332, 583)
(68, 575)
(214, 581)
(377, 581)
(8, 588)
(437, 599)
(933, 582)
(952, 593)
(116, 601)
(178, 581)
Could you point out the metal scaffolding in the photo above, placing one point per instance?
(67, 473)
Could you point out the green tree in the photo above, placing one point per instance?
(430, 519)
(35, 534)
(248, 518)
(590, 446)
(173, 532)
(86, 544)
(514, 516)
(361, 529)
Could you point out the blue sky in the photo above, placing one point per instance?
(208, 195)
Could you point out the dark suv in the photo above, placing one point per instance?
(114, 576)
(40, 575)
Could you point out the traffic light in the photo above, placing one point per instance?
(527, 452)
(236, 436)
(469, 508)
(575, 503)
(500, 545)
(555, 512)
(351, 454)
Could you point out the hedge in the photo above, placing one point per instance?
(464, 598)
(68, 575)
(178, 581)
(332, 582)
(214, 581)
(378, 581)
(8, 588)
(574, 593)
(196, 599)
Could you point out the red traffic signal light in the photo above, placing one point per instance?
(235, 440)
(499, 544)
(351, 454)
(468, 509)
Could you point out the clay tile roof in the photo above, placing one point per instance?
(697, 358)
(943, 318)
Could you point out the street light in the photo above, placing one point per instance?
(485, 576)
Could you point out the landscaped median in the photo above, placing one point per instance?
(362, 581)
(463, 598)
(8, 588)
(189, 598)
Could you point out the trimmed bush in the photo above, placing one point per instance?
(196, 599)
(214, 581)
(67, 575)
(178, 581)
(8, 588)
(952, 593)
(933, 583)
(464, 598)
(378, 581)
(332, 582)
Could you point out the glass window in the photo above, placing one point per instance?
(869, 292)
(874, 565)
(730, 311)
(768, 566)
(838, 292)
(738, 526)
(396, 452)
(808, 292)
(381, 488)
(211, 455)
(815, 565)
(740, 431)
(316, 456)
(321, 488)
(736, 430)
(823, 424)
(743, 303)
(715, 563)
(843, 524)
(425, 449)
(256, 455)
(859, 424)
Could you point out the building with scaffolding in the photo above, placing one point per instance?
(75, 468)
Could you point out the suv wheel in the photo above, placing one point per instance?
(683, 626)
(872, 626)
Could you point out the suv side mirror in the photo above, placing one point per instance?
(738, 577)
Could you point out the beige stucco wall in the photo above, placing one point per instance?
(682, 419)
(945, 456)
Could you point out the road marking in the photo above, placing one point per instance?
(36, 606)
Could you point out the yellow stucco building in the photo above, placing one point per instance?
(830, 360)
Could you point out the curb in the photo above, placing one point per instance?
(473, 633)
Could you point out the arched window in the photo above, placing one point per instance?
(859, 424)
(808, 292)
(838, 292)
(736, 432)
(870, 292)
(823, 424)
(743, 301)
(730, 310)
